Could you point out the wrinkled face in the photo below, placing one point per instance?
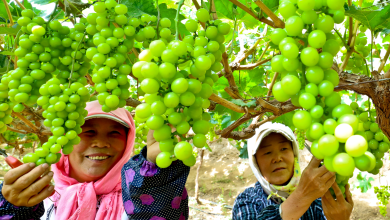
(102, 144)
(275, 158)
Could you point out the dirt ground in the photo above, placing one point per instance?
(224, 175)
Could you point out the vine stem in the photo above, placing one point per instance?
(272, 84)
(52, 14)
(384, 60)
(177, 20)
(74, 58)
(343, 40)
(8, 12)
(20, 4)
(158, 19)
(352, 44)
(350, 25)
(28, 122)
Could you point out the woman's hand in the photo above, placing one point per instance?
(153, 147)
(22, 187)
(339, 209)
(315, 181)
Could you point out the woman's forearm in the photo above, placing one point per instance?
(295, 206)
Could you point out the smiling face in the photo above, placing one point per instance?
(275, 158)
(102, 144)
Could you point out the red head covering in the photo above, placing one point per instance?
(79, 200)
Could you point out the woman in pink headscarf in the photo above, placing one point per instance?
(89, 180)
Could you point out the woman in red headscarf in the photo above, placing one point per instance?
(90, 182)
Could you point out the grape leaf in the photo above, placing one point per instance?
(137, 8)
(244, 151)
(224, 9)
(271, 4)
(226, 121)
(6, 52)
(364, 183)
(241, 103)
(372, 19)
(9, 31)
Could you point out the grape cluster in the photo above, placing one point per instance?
(383, 195)
(179, 97)
(301, 138)
(141, 134)
(110, 71)
(51, 70)
(337, 133)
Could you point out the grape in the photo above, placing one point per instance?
(328, 145)
(290, 50)
(306, 5)
(335, 4)
(287, 9)
(278, 92)
(302, 120)
(163, 159)
(309, 56)
(307, 100)
(294, 26)
(309, 17)
(317, 39)
(291, 85)
(202, 15)
(183, 150)
(278, 35)
(325, 23)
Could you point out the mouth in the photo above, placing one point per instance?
(98, 157)
(279, 169)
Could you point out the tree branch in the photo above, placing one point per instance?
(226, 103)
(253, 65)
(278, 23)
(20, 4)
(272, 84)
(132, 102)
(28, 122)
(11, 20)
(249, 11)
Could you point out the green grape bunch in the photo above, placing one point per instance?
(109, 53)
(176, 77)
(342, 135)
(383, 195)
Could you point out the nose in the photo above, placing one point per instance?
(277, 157)
(101, 142)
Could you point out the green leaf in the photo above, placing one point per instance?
(226, 121)
(224, 9)
(364, 183)
(42, 2)
(271, 4)
(372, 19)
(74, 7)
(240, 102)
(244, 151)
(137, 8)
(9, 53)
(9, 31)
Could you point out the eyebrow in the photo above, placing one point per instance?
(119, 127)
(268, 145)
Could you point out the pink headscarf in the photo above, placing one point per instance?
(79, 200)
